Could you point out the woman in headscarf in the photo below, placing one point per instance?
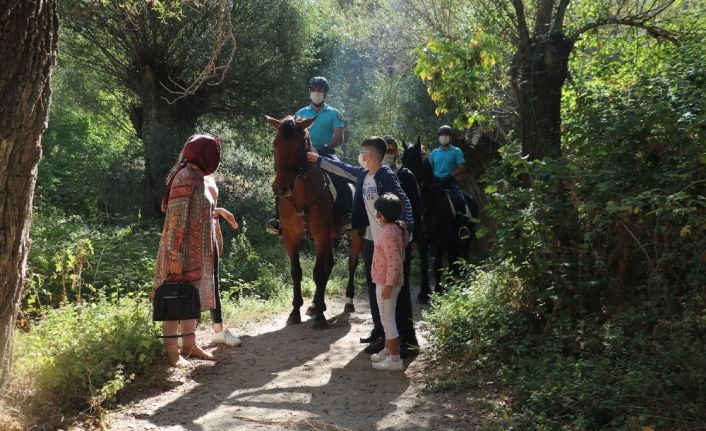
(188, 247)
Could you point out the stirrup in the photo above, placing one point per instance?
(346, 223)
(274, 227)
(464, 233)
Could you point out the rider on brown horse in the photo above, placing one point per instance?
(326, 133)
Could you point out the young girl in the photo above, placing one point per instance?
(387, 274)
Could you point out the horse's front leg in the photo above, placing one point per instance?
(322, 271)
(353, 257)
(424, 290)
(296, 271)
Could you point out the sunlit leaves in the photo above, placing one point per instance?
(458, 75)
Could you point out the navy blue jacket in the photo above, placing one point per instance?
(385, 181)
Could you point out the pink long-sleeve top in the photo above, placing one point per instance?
(388, 256)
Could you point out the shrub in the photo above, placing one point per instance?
(78, 358)
(592, 307)
(72, 259)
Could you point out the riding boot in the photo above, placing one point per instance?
(344, 201)
(273, 225)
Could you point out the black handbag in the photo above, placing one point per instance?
(176, 300)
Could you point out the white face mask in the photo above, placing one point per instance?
(444, 139)
(316, 97)
(363, 163)
(389, 160)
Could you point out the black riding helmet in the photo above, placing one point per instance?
(445, 130)
(319, 82)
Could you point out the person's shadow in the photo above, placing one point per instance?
(282, 376)
(355, 397)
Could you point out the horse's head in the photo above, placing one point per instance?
(290, 152)
(414, 159)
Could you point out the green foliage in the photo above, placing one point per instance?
(77, 358)
(91, 161)
(478, 319)
(458, 73)
(592, 307)
(245, 272)
(72, 259)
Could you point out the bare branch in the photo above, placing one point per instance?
(521, 21)
(641, 18)
(223, 36)
(652, 30)
(559, 16)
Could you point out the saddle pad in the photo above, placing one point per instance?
(331, 187)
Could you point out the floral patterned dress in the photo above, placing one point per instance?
(188, 235)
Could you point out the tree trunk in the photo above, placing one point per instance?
(28, 45)
(163, 128)
(539, 70)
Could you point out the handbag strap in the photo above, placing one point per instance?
(175, 336)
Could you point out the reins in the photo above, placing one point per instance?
(303, 173)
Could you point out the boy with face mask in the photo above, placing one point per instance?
(373, 179)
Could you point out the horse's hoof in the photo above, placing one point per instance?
(294, 318)
(349, 308)
(311, 310)
(320, 324)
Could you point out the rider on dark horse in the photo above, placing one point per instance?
(326, 133)
(447, 161)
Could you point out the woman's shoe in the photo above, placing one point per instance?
(227, 337)
(198, 353)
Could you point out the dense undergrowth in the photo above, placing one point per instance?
(592, 308)
(86, 332)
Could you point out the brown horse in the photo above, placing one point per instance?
(305, 209)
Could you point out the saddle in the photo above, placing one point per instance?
(336, 187)
(462, 212)
(457, 208)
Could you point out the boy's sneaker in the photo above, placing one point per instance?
(227, 337)
(379, 356)
(389, 365)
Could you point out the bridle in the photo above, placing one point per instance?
(304, 168)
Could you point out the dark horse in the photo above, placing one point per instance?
(441, 225)
(306, 211)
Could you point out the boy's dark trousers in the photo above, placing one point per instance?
(403, 311)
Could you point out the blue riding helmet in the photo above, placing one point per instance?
(319, 82)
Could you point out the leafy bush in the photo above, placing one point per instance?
(479, 296)
(78, 358)
(592, 308)
(72, 259)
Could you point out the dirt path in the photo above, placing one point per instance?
(294, 378)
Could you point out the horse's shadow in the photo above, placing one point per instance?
(365, 396)
(272, 375)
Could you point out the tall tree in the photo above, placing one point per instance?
(542, 34)
(159, 59)
(28, 46)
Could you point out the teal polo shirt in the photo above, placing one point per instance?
(327, 119)
(445, 161)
